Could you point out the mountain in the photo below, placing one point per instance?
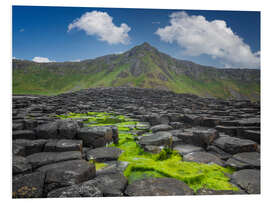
(142, 66)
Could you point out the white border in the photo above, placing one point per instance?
(5, 37)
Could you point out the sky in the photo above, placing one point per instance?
(223, 39)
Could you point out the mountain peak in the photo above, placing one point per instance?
(143, 47)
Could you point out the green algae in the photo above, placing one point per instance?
(167, 163)
(100, 166)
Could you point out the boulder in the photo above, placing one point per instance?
(176, 125)
(44, 158)
(102, 154)
(23, 134)
(161, 127)
(204, 138)
(186, 137)
(63, 145)
(67, 129)
(204, 191)
(96, 136)
(245, 160)
(17, 126)
(80, 190)
(158, 187)
(254, 135)
(28, 186)
(111, 184)
(184, 149)
(67, 173)
(218, 152)
(203, 157)
(229, 130)
(47, 130)
(28, 146)
(235, 145)
(113, 167)
(248, 180)
(20, 165)
(158, 139)
(250, 122)
(18, 150)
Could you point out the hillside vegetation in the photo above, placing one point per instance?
(142, 66)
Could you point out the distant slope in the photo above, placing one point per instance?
(142, 66)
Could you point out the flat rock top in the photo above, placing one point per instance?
(203, 157)
(184, 149)
(158, 187)
(161, 127)
(104, 153)
(248, 157)
(248, 180)
(159, 138)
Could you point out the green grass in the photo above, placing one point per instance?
(38, 79)
(167, 163)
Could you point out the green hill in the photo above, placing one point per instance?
(142, 66)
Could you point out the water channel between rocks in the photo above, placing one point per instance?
(166, 163)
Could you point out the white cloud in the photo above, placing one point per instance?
(100, 24)
(21, 30)
(199, 36)
(76, 60)
(39, 59)
(119, 52)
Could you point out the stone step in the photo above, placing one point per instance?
(44, 158)
(235, 145)
(67, 173)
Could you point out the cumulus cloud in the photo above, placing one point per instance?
(199, 36)
(39, 59)
(101, 24)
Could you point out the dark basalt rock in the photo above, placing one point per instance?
(63, 145)
(235, 145)
(111, 184)
(28, 186)
(245, 160)
(248, 180)
(184, 149)
(26, 147)
(96, 136)
(44, 158)
(23, 134)
(80, 190)
(204, 191)
(204, 138)
(203, 157)
(47, 131)
(254, 135)
(158, 187)
(161, 127)
(103, 154)
(67, 129)
(20, 165)
(67, 173)
(158, 139)
(229, 131)
(18, 150)
(218, 152)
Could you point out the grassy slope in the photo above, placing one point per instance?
(37, 80)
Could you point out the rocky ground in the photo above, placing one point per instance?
(51, 156)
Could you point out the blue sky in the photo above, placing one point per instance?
(229, 39)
